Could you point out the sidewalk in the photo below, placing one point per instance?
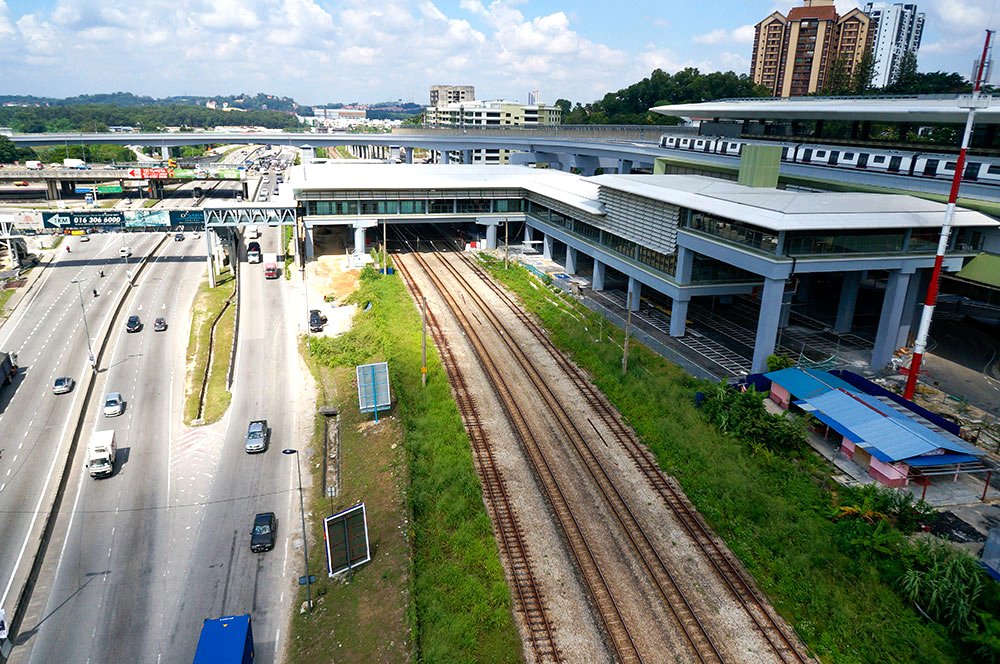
(30, 280)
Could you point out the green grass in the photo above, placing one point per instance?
(208, 303)
(5, 295)
(461, 608)
(773, 512)
(150, 202)
(344, 152)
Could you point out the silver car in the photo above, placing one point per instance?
(63, 385)
(114, 404)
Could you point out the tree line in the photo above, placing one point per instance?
(98, 117)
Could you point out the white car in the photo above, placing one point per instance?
(125, 252)
(114, 404)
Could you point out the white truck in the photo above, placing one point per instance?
(101, 453)
(75, 163)
(33, 165)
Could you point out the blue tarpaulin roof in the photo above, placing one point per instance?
(886, 434)
(941, 459)
(806, 383)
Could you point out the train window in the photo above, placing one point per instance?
(820, 153)
(949, 166)
(848, 155)
(993, 169)
(880, 159)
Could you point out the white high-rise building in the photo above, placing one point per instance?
(898, 28)
(533, 98)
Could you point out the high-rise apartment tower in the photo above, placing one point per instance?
(442, 95)
(898, 29)
(792, 55)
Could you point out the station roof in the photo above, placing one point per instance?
(564, 187)
(928, 109)
(886, 434)
(781, 210)
(804, 383)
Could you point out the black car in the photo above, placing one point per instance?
(133, 324)
(160, 325)
(262, 534)
(178, 237)
(316, 320)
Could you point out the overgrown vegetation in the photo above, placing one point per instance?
(207, 305)
(831, 559)
(98, 117)
(461, 607)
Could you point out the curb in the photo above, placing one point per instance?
(43, 530)
(18, 297)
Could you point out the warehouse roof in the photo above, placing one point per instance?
(805, 383)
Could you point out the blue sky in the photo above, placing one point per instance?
(362, 50)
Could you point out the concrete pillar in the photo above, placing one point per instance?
(624, 166)
(848, 300)
(310, 246)
(767, 324)
(678, 317)
(408, 155)
(445, 157)
(466, 156)
(570, 260)
(587, 164)
(52, 189)
(359, 240)
(527, 233)
(912, 306)
(164, 152)
(634, 293)
(547, 247)
(597, 282)
(491, 236)
(892, 313)
(685, 265)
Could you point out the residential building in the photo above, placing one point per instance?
(897, 30)
(442, 95)
(533, 97)
(491, 114)
(792, 55)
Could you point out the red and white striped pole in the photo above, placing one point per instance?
(949, 217)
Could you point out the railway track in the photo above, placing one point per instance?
(528, 597)
(691, 631)
(728, 570)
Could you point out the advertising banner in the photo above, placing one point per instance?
(134, 218)
(228, 173)
(24, 220)
(185, 173)
(187, 218)
(70, 220)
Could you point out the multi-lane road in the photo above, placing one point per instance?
(137, 561)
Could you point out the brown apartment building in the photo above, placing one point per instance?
(792, 54)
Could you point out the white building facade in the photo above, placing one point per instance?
(899, 28)
(498, 113)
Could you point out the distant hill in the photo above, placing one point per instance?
(245, 101)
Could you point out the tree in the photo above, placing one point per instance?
(864, 71)
(565, 105)
(838, 79)
(906, 77)
(8, 151)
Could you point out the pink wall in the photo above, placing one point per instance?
(888, 474)
(847, 448)
(780, 395)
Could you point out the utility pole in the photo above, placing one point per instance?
(628, 330)
(506, 243)
(385, 241)
(423, 342)
(972, 103)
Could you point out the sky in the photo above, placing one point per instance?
(321, 51)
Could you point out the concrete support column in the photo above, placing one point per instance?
(445, 157)
(597, 283)
(359, 241)
(547, 247)
(308, 241)
(408, 155)
(678, 317)
(570, 260)
(912, 306)
(767, 324)
(624, 166)
(164, 152)
(685, 265)
(528, 233)
(466, 156)
(586, 164)
(491, 236)
(848, 301)
(52, 190)
(892, 313)
(634, 293)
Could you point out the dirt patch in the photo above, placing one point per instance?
(331, 275)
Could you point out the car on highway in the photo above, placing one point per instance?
(84, 238)
(62, 385)
(114, 404)
(178, 237)
(125, 252)
(160, 325)
(21, 183)
(257, 438)
(316, 320)
(133, 324)
(263, 532)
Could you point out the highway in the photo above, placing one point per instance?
(142, 557)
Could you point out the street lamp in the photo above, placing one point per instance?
(86, 328)
(305, 534)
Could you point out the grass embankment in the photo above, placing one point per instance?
(344, 153)
(5, 295)
(207, 305)
(150, 202)
(449, 601)
(286, 248)
(773, 512)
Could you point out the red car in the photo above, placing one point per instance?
(21, 183)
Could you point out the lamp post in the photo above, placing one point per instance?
(86, 328)
(305, 535)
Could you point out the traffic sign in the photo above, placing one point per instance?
(150, 173)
